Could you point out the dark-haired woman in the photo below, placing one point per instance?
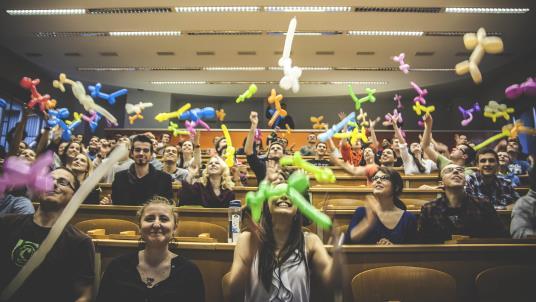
(70, 152)
(275, 261)
(413, 161)
(384, 220)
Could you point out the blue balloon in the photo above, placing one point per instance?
(3, 103)
(95, 92)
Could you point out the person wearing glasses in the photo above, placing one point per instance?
(462, 155)
(457, 213)
(384, 220)
(67, 273)
(486, 183)
(141, 181)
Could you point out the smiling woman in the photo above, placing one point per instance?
(154, 273)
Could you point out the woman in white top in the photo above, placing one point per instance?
(414, 163)
(273, 261)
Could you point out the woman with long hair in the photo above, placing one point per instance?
(274, 261)
(187, 154)
(70, 152)
(154, 273)
(82, 167)
(214, 189)
(413, 160)
(384, 220)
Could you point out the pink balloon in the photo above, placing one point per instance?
(421, 94)
(36, 177)
(403, 66)
(516, 90)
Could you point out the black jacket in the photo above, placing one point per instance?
(128, 189)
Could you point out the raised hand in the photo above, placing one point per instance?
(254, 118)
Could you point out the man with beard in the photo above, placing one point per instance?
(141, 181)
(275, 151)
(457, 213)
(321, 154)
(67, 273)
(485, 183)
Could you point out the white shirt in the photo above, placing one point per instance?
(409, 164)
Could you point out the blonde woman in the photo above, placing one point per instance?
(82, 167)
(214, 189)
(154, 273)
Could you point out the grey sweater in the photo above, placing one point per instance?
(524, 216)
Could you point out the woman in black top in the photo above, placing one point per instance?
(154, 273)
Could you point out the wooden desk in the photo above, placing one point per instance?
(463, 262)
(186, 213)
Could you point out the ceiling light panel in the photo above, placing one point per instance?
(217, 9)
(307, 9)
(384, 33)
(486, 10)
(235, 68)
(46, 12)
(129, 10)
(144, 33)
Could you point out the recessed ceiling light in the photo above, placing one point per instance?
(216, 9)
(486, 10)
(110, 68)
(307, 9)
(267, 82)
(46, 12)
(384, 33)
(144, 33)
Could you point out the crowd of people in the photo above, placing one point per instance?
(272, 258)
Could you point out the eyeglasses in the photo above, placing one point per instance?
(64, 183)
(449, 170)
(144, 150)
(380, 178)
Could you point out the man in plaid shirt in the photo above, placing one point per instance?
(486, 183)
(457, 213)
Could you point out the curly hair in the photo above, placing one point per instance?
(226, 180)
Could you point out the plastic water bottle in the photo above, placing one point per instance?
(235, 217)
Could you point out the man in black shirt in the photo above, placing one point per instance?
(141, 181)
(67, 273)
(320, 159)
(457, 213)
(275, 151)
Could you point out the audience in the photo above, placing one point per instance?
(461, 155)
(153, 273)
(504, 170)
(67, 273)
(71, 151)
(310, 148)
(93, 147)
(212, 190)
(519, 165)
(412, 159)
(321, 155)
(457, 213)
(122, 164)
(486, 184)
(82, 169)
(273, 261)
(162, 144)
(141, 181)
(169, 158)
(523, 222)
(275, 151)
(384, 220)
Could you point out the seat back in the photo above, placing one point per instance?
(403, 283)
(344, 203)
(112, 226)
(506, 283)
(195, 228)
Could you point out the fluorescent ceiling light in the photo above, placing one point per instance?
(359, 82)
(307, 9)
(217, 9)
(485, 10)
(178, 82)
(234, 68)
(46, 12)
(384, 33)
(144, 33)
